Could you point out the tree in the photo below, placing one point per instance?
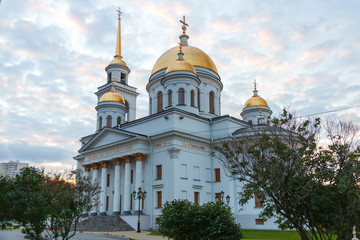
(47, 203)
(184, 220)
(305, 184)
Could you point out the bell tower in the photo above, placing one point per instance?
(118, 70)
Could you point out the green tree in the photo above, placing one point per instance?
(306, 185)
(45, 206)
(184, 220)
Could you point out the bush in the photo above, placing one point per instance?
(184, 220)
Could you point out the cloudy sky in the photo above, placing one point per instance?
(304, 54)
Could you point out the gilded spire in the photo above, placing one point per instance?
(261, 111)
(255, 84)
(255, 90)
(118, 58)
(180, 54)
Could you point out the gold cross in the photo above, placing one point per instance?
(255, 84)
(113, 81)
(119, 13)
(184, 24)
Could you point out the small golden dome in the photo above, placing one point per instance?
(193, 55)
(112, 96)
(255, 101)
(118, 60)
(181, 65)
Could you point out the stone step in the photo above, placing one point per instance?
(104, 224)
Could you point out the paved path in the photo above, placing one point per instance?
(18, 235)
(144, 235)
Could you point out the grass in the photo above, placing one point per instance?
(270, 235)
(261, 234)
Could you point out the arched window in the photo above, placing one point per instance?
(159, 101)
(192, 98)
(118, 120)
(108, 121)
(100, 122)
(181, 96)
(169, 98)
(150, 105)
(211, 102)
(198, 98)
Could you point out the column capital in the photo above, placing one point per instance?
(139, 156)
(117, 161)
(87, 168)
(127, 158)
(95, 166)
(104, 164)
(174, 152)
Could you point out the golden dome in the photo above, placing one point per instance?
(118, 60)
(193, 55)
(255, 101)
(180, 65)
(112, 96)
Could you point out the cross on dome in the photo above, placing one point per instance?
(255, 84)
(184, 24)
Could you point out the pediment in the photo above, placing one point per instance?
(107, 136)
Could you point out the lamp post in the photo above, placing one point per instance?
(139, 195)
(222, 194)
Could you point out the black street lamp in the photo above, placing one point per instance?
(139, 195)
(222, 194)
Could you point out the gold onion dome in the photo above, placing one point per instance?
(112, 96)
(255, 100)
(180, 64)
(194, 56)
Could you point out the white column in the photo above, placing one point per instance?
(127, 185)
(86, 173)
(103, 183)
(138, 180)
(94, 180)
(116, 207)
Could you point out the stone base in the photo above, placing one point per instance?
(127, 213)
(102, 214)
(93, 214)
(116, 213)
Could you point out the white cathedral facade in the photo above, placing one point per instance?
(168, 152)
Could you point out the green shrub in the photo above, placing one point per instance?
(184, 220)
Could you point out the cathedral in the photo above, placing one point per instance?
(167, 153)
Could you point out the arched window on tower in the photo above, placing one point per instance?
(159, 101)
(150, 105)
(192, 98)
(211, 102)
(181, 96)
(169, 97)
(108, 121)
(198, 98)
(100, 122)
(118, 121)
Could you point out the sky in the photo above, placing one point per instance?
(304, 55)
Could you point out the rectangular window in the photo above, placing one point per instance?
(107, 203)
(196, 173)
(196, 197)
(131, 201)
(132, 176)
(108, 180)
(158, 172)
(217, 175)
(259, 221)
(257, 201)
(159, 199)
(157, 220)
(183, 171)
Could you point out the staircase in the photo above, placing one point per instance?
(104, 224)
